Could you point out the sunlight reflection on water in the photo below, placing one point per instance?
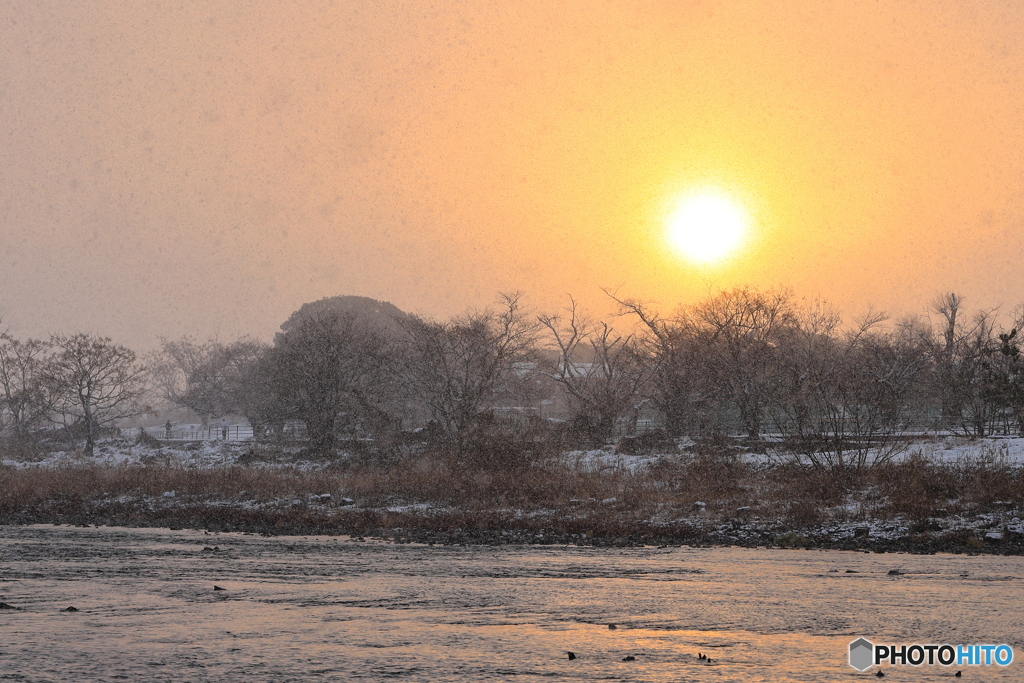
(321, 608)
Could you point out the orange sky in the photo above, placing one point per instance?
(206, 167)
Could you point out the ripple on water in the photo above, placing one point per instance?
(325, 609)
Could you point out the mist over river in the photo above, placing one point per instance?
(338, 609)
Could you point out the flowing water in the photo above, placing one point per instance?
(336, 609)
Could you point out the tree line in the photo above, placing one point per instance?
(744, 361)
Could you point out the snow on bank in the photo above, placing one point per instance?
(607, 459)
(216, 453)
(952, 449)
(120, 452)
(988, 527)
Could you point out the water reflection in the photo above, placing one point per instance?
(334, 609)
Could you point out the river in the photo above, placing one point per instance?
(339, 609)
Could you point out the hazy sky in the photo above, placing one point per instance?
(205, 167)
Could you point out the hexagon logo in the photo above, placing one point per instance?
(861, 654)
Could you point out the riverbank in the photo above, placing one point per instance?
(474, 528)
(925, 501)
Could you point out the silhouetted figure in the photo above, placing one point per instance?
(701, 656)
(957, 674)
(167, 430)
(879, 674)
(629, 658)
(612, 627)
(223, 430)
(572, 655)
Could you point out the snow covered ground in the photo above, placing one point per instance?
(957, 448)
(218, 453)
(122, 452)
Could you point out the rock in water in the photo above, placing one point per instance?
(4, 605)
(218, 588)
(70, 608)
(572, 655)
(629, 658)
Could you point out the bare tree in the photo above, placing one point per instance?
(673, 349)
(948, 306)
(960, 357)
(1002, 379)
(94, 383)
(880, 376)
(209, 378)
(463, 366)
(256, 394)
(601, 371)
(743, 328)
(25, 396)
(809, 363)
(847, 396)
(330, 370)
(181, 374)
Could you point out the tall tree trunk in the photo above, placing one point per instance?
(89, 437)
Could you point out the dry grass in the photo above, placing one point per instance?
(82, 483)
(918, 488)
(533, 492)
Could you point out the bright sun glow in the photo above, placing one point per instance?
(706, 227)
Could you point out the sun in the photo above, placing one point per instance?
(706, 227)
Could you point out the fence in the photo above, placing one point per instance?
(233, 433)
(212, 432)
